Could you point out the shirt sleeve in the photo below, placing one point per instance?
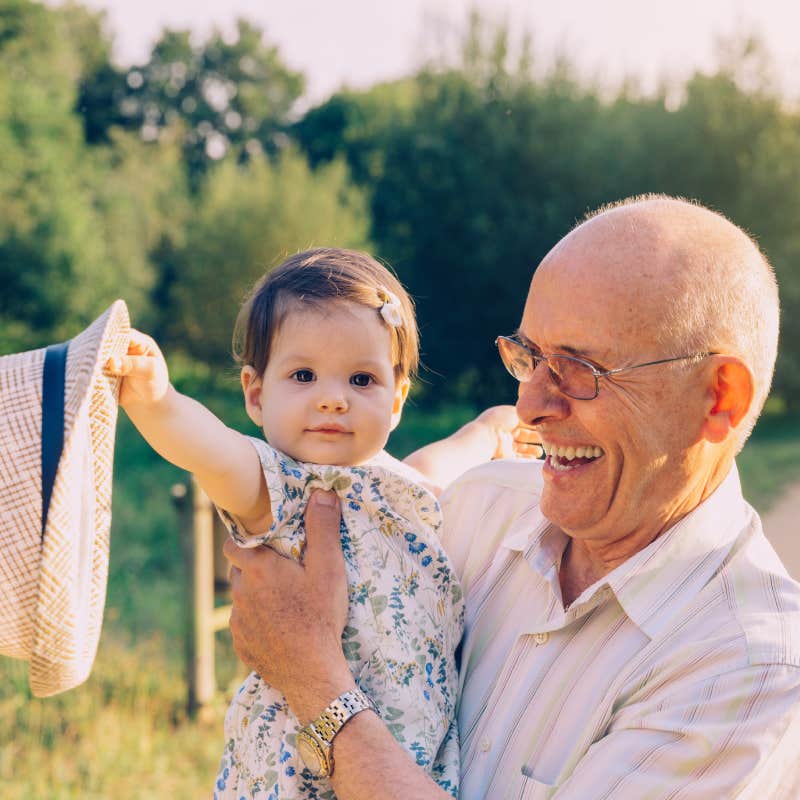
(728, 736)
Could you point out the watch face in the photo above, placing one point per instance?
(309, 752)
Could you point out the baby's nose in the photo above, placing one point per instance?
(330, 403)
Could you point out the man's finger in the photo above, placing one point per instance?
(238, 556)
(245, 559)
(323, 542)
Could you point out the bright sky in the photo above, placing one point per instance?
(359, 42)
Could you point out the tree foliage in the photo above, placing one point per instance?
(493, 165)
(176, 183)
(248, 218)
(65, 252)
(225, 95)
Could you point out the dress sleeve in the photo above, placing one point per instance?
(286, 480)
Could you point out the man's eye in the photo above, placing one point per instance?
(361, 379)
(303, 376)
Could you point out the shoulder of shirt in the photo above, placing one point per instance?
(765, 601)
(514, 475)
(503, 491)
(387, 461)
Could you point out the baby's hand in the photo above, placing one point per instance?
(514, 439)
(145, 377)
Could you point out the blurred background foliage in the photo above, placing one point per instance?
(176, 183)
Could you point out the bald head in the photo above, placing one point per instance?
(687, 279)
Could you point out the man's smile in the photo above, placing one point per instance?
(563, 458)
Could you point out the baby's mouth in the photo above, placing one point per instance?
(564, 458)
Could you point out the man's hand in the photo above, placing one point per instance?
(288, 618)
(145, 377)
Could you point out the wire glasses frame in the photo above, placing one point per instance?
(572, 376)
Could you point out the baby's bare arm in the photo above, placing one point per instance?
(187, 434)
(496, 433)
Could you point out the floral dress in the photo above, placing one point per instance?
(405, 621)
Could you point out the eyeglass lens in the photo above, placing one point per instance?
(572, 377)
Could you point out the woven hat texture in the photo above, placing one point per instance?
(53, 586)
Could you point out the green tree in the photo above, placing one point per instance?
(45, 217)
(229, 96)
(355, 126)
(489, 173)
(75, 222)
(246, 219)
(489, 166)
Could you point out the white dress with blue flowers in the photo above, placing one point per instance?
(405, 622)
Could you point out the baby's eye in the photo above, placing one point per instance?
(303, 375)
(361, 379)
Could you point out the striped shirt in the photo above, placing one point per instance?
(677, 675)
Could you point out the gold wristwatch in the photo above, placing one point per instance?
(315, 740)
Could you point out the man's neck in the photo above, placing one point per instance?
(577, 572)
(586, 561)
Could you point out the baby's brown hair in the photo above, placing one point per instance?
(310, 279)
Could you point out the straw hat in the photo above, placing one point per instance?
(58, 412)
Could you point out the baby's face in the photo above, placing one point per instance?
(329, 394)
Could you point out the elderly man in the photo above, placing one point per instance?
(630, 632)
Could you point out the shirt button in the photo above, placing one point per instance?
(541, 638)
(486, 745)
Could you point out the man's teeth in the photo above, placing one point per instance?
(568, 453)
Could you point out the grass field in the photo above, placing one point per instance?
(125, 734)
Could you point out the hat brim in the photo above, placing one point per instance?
(74, 561)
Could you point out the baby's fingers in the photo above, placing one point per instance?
(140, 344)
(526, 435)
(528, 450)
(132, 366)
(527, 442)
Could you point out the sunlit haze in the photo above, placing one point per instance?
(360, 42)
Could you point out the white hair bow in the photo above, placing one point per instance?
(391, 310)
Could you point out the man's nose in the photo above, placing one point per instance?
(332, 401)
(539, 399)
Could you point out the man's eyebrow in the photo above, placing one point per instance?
(564, 348)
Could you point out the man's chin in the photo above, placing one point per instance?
(570, 514)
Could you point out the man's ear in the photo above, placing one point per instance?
(401, 387)
(730, 395)
(251, 389)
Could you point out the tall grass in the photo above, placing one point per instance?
(125, 734)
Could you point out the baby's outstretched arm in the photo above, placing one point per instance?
(187, 434)
(496, 433)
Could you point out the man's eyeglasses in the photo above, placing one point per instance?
(573, 376)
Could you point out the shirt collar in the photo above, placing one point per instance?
(658, 581)
(539, 541)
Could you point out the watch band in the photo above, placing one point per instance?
(339, 711)
(320, 733)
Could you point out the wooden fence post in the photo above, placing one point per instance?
(197, 516)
